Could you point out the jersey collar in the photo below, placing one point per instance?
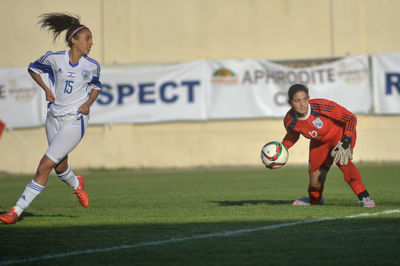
(69, 62)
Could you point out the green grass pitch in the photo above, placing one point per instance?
(204, 217)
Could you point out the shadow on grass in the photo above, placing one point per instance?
(30, 214)
(269, 242)
(251, 202)
(328, 202)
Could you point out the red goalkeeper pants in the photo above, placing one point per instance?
(352, 177)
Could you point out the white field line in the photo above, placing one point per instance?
(188, 238)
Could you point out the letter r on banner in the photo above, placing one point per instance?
(392, 80)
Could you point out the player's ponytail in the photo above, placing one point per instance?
(59, 22)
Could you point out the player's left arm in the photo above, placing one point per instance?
(348, 118)
(85, 107)
(338, 113)
(95, 86)
(342, 153)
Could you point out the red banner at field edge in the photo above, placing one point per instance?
(2, 126)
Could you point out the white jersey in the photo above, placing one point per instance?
(70, 83)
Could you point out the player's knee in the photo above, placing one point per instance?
(60, 170)
(62, 167)
(45, 165)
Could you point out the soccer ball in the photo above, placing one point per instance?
(274, 155)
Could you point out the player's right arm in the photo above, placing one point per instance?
(290, 139)
(38, 79)
(291, 136)
(43, 65)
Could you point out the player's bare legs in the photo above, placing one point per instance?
(46, 165)
(62, 166)
(66, 174)
(32, 190)
(37, 184)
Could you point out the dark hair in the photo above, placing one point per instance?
(59, 22)
(294, 89)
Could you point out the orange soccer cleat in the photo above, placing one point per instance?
(83, 197)
(9, 217)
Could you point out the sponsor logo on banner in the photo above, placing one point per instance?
(22, 94)
(354, 72)
(262, 87)
(351, 71)
(289, 76)
(225, 76)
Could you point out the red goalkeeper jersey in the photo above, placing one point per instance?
(325, 121)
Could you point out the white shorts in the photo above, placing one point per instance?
(63, 134)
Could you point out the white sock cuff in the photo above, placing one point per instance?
(31, 191)
(67, 174)
(36, 188)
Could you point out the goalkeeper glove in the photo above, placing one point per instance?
(342, 152)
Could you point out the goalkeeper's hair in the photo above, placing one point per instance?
(56, 23)
(295, 89)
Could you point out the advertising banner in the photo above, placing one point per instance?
(129, 95)
(22, 101)
(258, 88)
(202, 90)
(166, 93)
(386, 77)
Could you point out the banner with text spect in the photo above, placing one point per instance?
(196, 91)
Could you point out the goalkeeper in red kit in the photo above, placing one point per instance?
(331, 129)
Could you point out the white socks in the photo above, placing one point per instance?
(69, 178)
(31, 191)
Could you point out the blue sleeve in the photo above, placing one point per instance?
(95, 72)
(96, 82)
(41, 65)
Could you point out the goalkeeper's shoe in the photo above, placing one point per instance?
(305, 201)
(9, 217)
(367, 202)
(80, 191)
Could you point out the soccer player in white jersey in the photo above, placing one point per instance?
(74, 86)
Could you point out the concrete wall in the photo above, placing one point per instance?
(167, 31)
(196, 144)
